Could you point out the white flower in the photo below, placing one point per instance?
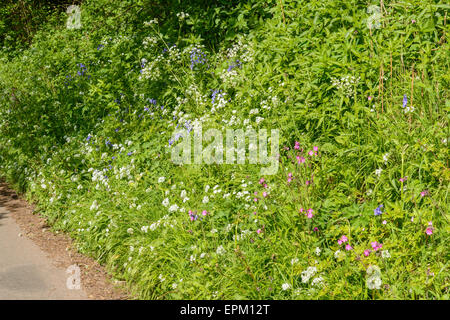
(220, 250)
(308, 273)
(318, 251)
(174, 286)
(385, 254)
(385, 157)
(165, 202)
(130, 230)
(317, 281)
(173, 208)
(205, 199)
(378, 171)
(285, 286)
(161, 179)
(213, 231)
(294, 261)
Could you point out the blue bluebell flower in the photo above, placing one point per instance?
(377, 211)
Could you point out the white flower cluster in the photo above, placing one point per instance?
(346, 84)
(164, 221)
(181, 16)
(308, 273)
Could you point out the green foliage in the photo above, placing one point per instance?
(86, 122)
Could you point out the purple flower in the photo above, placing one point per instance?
(405, 101)
(377, 211)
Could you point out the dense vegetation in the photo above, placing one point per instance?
(359, 206)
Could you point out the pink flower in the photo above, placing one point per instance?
(261, 181)
(366, 252)
(301, 210)
(369, 98)
(348, 247)
(316, 148)
(310, 152)
(254, 213)
(412, 219)
(429, 231)
(258, 231)
(310, 215)
(255, 199)
(384, 222)
(300, 159)
(204, 212)
(316, 229)
(430, 223)
(339, 242)
(265, 185)
(289, 179)
(403, 179)
(264, 194)
(297, 145)
(375, 245)
(424, 193)
(307, 182)
(344, 239)
(255, 193)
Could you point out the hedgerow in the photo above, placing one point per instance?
(358, 208)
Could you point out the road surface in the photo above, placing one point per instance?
(25, 270)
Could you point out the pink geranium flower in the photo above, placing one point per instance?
(348, 247)
(366, 252)
(429, 231)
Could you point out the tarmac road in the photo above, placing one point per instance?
(25, 270)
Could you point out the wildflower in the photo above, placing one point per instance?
(308, 273)
(165, 202)
(297, 145)
(220, 250)
(310, 152)
(205, 199)
(161, 179)
(309, 213)
(258, 231)
(264, 194)
(315, 148)
(424, 193)
(366, 252)
(403, 179)
(204, 212)
(300, 159)
(405, 101)
(378, 171)
(429, 231)
(285, 286)
(130, 230)
(348, 247)
(385, 254)
(377, 211)
(317, 282)
(384, 222)
(294, 261)
(375, 245)
(343, 239)
(318, 251)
